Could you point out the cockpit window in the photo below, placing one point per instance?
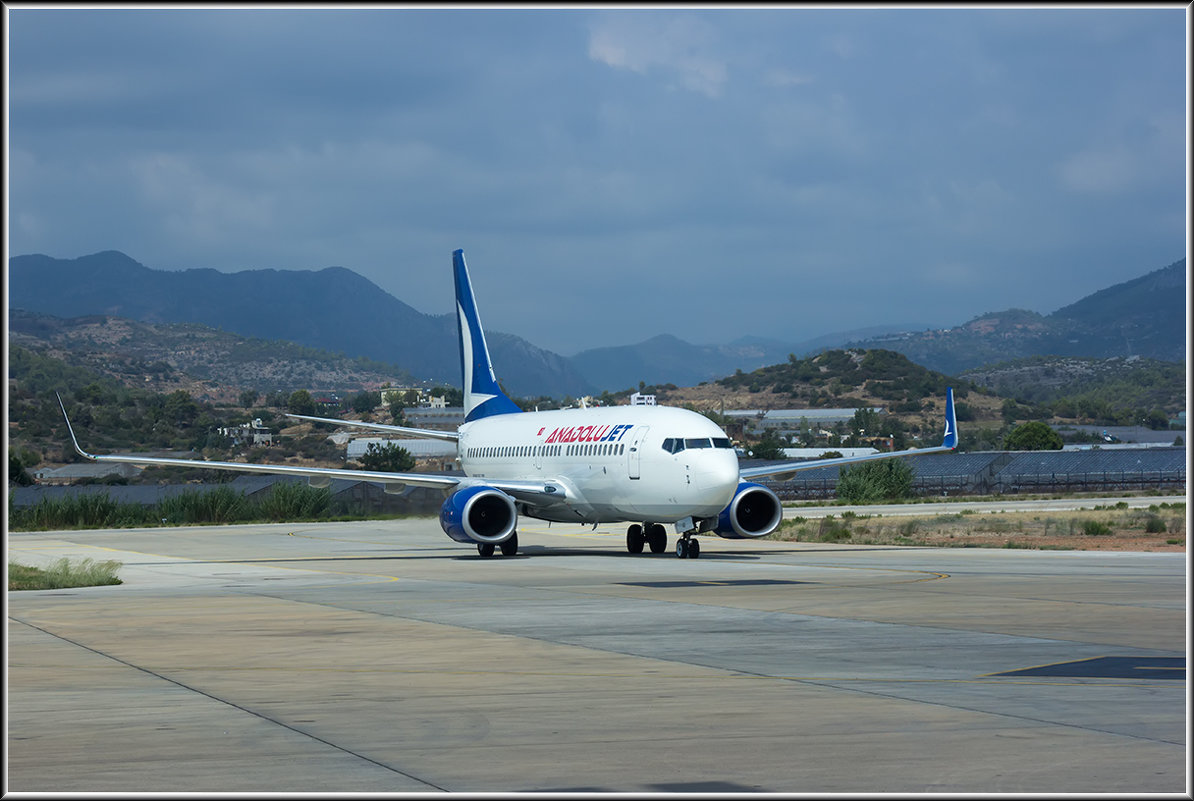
(698, 443)
(722, 442)
(673, 444)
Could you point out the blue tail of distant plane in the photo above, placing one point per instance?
(482, 395)
(951, 421)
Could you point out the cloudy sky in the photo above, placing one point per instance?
(614, 174)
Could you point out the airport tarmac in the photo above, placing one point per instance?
(383, 657)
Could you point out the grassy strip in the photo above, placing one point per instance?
(1157, 526)
(285, 503)
(62, 574)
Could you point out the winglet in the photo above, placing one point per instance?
(951, 421)
(482, 395)
(71, 429)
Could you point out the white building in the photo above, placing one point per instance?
(418, 448)
(254, 432)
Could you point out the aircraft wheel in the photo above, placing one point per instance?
(657, 538)
(682, 548)
(485, 548)
(694, 549)
(510, 546)
(634, 538)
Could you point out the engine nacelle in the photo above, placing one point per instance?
(755, 511)
(479, 514)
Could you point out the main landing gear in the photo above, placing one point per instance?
(655, 536)
(651, 534)
(509, 547)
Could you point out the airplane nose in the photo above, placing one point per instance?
(717, 473)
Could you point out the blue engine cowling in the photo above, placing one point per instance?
(478, 514)
(755, 511)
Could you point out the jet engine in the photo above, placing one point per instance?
(755, 511)
(479, 515)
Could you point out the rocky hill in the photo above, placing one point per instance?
(1144, 317)
(207, 363)
(339, 311)
(332, 309)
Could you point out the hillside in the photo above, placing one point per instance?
(207, 363)
(331, 309)
(844, 379)
(337, 310)
(666, 359)
(1141, 383)
(1144, 317)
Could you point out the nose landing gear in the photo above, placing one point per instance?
(688, 547)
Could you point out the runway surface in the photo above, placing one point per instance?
(383, 657)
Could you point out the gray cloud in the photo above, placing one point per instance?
(615, 174)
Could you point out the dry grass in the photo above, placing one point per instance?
(62, 574)
(1158, 528)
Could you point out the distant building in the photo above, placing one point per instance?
(637, 399)
(791, 421)
(443, 418)
(816, 453)
(418, 448)
(88, 470)
(253, 433)
(422, 398)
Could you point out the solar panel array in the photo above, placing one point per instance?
(1144, 460)
(1001, 471)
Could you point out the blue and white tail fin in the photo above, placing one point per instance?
(482, 395)
(950, 439)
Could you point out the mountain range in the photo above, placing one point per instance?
(1143, 317)
(325, 309)
(333, 309)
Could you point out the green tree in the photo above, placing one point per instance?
(397, 414)
(1157, 420)
(1032, 436)
(179, 408)
(248, 397)
(16, 470)
(388, 458)
(768, 447)
(871, 482)
(451, 395)
(365, 402)
(300, 402)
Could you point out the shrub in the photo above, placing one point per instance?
(1093, 528)
(832, 531)
(295, 502)
(871, 482)
(220, 505)
(1155, 525)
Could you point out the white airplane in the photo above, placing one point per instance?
(650, 466)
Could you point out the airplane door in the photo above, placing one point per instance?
(633, 456)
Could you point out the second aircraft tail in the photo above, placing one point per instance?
(482, 395)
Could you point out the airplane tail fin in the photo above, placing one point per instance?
(951, 421)
(482, 395)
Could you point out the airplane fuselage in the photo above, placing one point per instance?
(619, 463)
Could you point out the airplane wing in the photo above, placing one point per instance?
(532, 492)
(422, 433)
(786, 470)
